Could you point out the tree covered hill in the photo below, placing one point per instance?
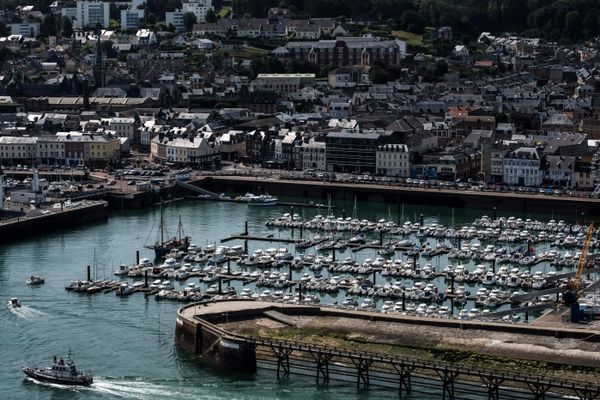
(557, 20)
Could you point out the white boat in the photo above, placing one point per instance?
(123, 269)
(14, 303)
(259, 200)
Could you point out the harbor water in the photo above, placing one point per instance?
(127, 342)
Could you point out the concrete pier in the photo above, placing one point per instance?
(52, 219)
(241, 334)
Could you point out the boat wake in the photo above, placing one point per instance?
(134, 389)
(26, 312)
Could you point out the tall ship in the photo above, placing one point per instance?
(62, 371)
(162, 247)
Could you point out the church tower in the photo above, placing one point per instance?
(99, 64)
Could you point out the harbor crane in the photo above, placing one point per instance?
(571, 295)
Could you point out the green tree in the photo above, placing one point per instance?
(210, 16)
(189, 19)
(573, 23)
(49, 26)
(66, 27)
(3, 29)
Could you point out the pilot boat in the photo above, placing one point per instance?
(62, 371)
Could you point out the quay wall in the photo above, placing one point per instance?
(26, 227)
(346, 192)
(198, 330)
(204, 339)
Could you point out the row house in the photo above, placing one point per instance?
(522, 167)
(393, 160)
(311, 154)
(18, 150)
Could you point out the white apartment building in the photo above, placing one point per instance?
(175, 18)
(393, 160)
(184, 150)
(17, 149)
(25, 29)
(90, 13)
(198, 7)
(124, 127)
(130, 19)
(314, 155)
(522, 167)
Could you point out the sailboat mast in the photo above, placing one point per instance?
(180, 229)
(162, 239)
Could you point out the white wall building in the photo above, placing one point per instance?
(314, 155)
(175, 18)
(522, 167)
(14, 150)
(130, 19)
(393, 160)
(198, 7)
(90, 13)
(124, 127)
(25, 29)
(145, 37)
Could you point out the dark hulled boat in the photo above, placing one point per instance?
(62, 371)
(162, 247)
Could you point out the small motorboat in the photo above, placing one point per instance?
(35, 280)
(14, 303)
(62, 371)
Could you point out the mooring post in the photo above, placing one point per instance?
(421, 220)
(333, 253)
(301, 230)
(381, 238)
(494, 265)
(403, 301)
(228, 267)
(292, 214)
(137, 257)
(220, 290)
(246, 228)
(344, 213)
(300, 292)
(146, 278)
(494, 213)
(89, 273)
(246, 246)
(374, 276)
(414, 261)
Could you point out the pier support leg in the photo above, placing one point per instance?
(283, 360)
(322, 361)
(448, 378)
(404, 373)
(246, 228)
(587, 393)
(493, 385)
(539, 389)
(137, 257)
(362, 371)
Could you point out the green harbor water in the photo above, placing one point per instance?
(127, 342)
